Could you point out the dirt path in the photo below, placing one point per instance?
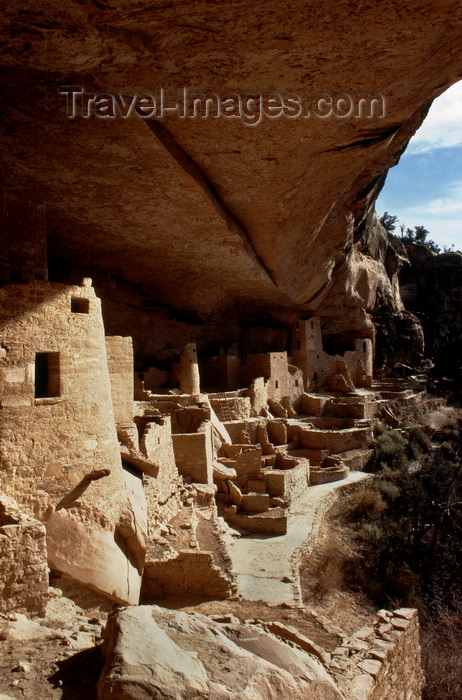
(267, 567)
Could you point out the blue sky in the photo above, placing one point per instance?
(425, 188)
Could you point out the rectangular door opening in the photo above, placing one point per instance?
(47, 377)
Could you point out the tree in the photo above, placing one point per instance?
(420, 234)
(388, 222)
(433, 246)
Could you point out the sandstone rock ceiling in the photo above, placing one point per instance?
(205, 213)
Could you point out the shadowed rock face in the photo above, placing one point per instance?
(210, 213)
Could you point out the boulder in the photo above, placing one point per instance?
(221, 472)
(22, 629)
(235, 493)
(10, 513)
(91, 554)
(151, 652)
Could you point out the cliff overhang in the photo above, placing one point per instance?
(206, 214)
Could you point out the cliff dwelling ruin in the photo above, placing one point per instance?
(186, 334)
(134, 482)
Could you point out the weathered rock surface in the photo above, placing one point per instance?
(10, 512)
(21, 629)
(410, 338)
(430, 275)
(152, 652)
(431, 287)
(23, 560)
(91, 554)
(208, 213)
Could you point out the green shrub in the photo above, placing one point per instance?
(389, 489)
(390, 452)
(366, 504)
(405, 529)
(419, 442)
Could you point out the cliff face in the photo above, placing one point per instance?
(430, 275)
(368, 277)
(209, 214)
(431, 287)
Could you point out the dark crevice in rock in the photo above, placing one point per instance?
(185, 161)
(366, 141)
(330, 281)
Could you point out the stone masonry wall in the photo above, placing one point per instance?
(119, 352)
(155, 379)
(333, 440)
(189, 573)
(281, 379)
(49, 443)
(194, 455)
(307, 352)
(23, 568)
(317, 365)
(257, 365)
(381, 661)
(162, 493)
(23, 561)
(280, 383)
(58, 428)
(185, 373)
(232, 408)
(221, 372)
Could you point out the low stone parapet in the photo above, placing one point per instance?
(325, 475)
(189, 573)
(381, 661)
(332, 440)
(355, 460)
(231, 407)
(273, 522)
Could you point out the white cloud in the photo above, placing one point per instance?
(442, 216)
(449, 205)
(442, 126)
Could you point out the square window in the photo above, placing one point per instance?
(80, 305)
